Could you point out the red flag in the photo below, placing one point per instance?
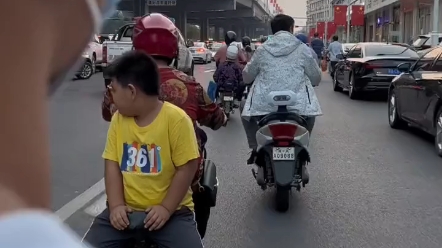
(357, 15)
(312, 32)
(340, 15)
(331, 29)
(320, 28)
(272, 1)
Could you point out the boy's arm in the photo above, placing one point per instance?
(113, 178)
(185, 154)
(209, 114)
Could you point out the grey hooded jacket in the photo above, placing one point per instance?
(282, 63)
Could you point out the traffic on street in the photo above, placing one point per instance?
(370, 185)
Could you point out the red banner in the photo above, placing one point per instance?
(357, 15)
(320, 29)
(331, 29)
(312, 32)
(340, 15)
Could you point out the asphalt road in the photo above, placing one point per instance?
(370, 186)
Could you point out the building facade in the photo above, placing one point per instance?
(318, 11)
(398, 20)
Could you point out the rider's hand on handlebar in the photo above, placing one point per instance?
(156, 217)
(118, 217)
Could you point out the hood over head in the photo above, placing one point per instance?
(282, 44)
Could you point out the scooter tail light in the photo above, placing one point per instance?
(283, 134)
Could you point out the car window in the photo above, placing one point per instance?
(356, 52)
(424, 64)
(127, 36)
(389, 50)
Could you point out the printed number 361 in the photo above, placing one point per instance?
(137, 157)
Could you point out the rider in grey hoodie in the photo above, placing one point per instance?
(282, 63)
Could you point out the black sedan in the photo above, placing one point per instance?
(369, 67)
(415, 96)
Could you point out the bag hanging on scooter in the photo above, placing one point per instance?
(209, 182)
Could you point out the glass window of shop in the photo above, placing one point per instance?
(385, 25)
(424, 20)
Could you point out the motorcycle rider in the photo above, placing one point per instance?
(281, 63)
(304, 39)
(228, 75)
(247, 47)
(318, 46)
(220, 55)
(157, 37)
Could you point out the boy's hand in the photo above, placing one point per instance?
(156, 217)
(118, 217)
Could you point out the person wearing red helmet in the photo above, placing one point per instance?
(156, 35)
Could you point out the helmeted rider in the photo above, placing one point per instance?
(157, 36)
(220, 56)
(247, 47)
(281, 63)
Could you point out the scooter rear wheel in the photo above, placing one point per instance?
(282, 199)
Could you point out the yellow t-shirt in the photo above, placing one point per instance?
(148, 155)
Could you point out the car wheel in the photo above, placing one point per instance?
(86, 70)
(336, 86)
(352, 93)
(394, 118)
(438, 138)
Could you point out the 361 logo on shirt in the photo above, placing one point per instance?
(144, 159)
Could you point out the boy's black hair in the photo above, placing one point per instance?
(335, 38)
(282, 22)
(139, 69)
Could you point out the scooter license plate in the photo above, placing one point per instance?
(228, 98)
(283, 153)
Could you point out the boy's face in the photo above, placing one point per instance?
(123, 97)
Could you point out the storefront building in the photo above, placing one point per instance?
(397, 20)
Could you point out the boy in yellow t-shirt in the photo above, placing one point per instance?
(150, 160)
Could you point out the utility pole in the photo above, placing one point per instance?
(349, 18)
(434, 34)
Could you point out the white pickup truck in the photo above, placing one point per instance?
(121, 42)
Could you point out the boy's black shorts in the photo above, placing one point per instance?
(179, 232)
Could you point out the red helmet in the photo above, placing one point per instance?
(156, 35)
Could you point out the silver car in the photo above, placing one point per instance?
(201, 53)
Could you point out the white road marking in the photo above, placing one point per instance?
(97, 207)
(80, 201)
(211, 70)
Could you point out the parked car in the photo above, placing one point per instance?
(88, 68)
(201, 52)
(424, 42)
(121, 42)
(96, 49)
(415, 96)
(370, 66)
